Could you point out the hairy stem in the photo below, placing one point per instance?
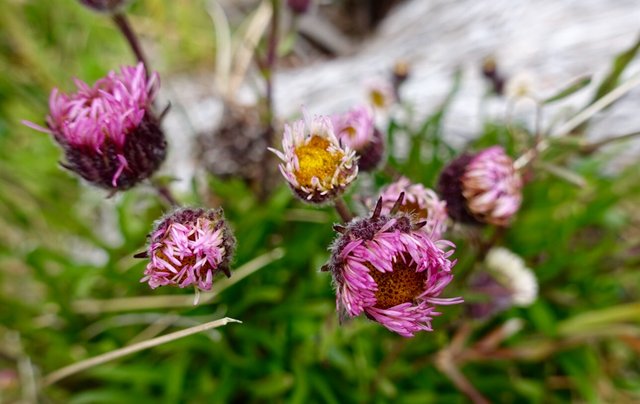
(122, 22)
(343, 210)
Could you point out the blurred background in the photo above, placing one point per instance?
(69, 286)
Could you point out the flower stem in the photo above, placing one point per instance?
(343, 210)
(166, 195)
(122, 22)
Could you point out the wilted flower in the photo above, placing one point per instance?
(388, 269)
(357, 130)
(105, 5)
(108, 134)
(188, 247)
(314, 163)
(419, 201)
(484, 187)
(506, 282)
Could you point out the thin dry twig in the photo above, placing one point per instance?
(67, 371)
(580, 118)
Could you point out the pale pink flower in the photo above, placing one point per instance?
(482, 188)
(356, 129)
(314, 163)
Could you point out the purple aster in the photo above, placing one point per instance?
(108, 134)
(314, 163)
(188, 247)
(357, 130)
(482, 188)
(385, 267)
(419, 201)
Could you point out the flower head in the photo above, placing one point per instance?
(314, 163)
(506, 281)
(188, 247)
(381, 93)
(482, 188)
(385, 267)
(109, 136)
(421, 202)
(511, 270)
(357, 130)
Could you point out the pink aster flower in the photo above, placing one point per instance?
(314, 163)
(385, 267)
(357, 130)
(108, 134)
(482, 188)
(420, 201)
(188, 247)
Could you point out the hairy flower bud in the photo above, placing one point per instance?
(357, 130)
(385, 267)
(482, 188)
(107, 132)
(314, 163)
(188, 247)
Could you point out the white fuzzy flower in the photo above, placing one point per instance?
(510, 269)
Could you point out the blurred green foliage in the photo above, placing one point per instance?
(61, 241)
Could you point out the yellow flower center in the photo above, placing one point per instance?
(402, 285)
(377, 98)
(316, 160)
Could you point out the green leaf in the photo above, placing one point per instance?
(620, 63)
(572, 88)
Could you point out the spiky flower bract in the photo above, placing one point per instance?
(188, 247)
(385, 267)
(314, 163)
(356, 129)
(423, 203)
(107, 132)
(482, 188)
